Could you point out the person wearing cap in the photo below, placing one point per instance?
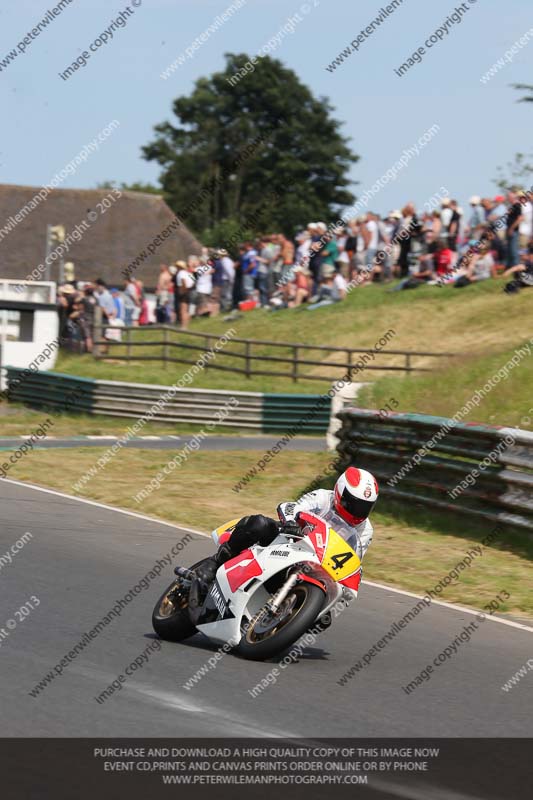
(203, 271)
(477, 217)
(330, 250)
(302, 251)
(499, 210)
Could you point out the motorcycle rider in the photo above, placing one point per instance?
(346, 509)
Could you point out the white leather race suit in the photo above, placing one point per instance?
(321, 503)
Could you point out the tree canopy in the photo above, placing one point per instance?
(520, 170)
(525, 87)
(234, 142)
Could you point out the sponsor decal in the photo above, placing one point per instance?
(219, 601)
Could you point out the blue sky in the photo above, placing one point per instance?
(47, 120)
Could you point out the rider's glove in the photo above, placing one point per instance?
(291, 528)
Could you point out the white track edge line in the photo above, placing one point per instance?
(453, 606)
(107, 507)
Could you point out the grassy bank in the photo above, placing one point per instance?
(473, 322)
(444, 392)
(411, 551)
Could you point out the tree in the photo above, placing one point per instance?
(515, 173)
(524, 87)
(519, 171)
(237, 140)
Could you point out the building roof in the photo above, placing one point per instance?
(115, 237)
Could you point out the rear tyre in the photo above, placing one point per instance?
(269, 635)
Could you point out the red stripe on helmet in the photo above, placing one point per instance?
(353, 476)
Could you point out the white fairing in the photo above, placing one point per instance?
(240, 604)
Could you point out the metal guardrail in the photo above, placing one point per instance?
(386, 445)
(256, 411)
(169, 350)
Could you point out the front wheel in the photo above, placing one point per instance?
(270, 634)
(170, 618)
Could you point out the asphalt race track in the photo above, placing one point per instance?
(83, 557)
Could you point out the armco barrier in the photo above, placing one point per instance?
(502, 492)
(255, 411)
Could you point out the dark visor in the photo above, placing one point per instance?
(360, 509)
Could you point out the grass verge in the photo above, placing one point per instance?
(18, 420)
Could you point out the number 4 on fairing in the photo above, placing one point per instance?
(339, 559)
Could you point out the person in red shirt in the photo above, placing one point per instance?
(444, 259)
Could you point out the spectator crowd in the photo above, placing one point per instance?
(321, 265)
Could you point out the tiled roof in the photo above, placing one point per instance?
(116, 237)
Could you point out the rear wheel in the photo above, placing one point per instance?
(269, 634)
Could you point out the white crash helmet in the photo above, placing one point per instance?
(356, 492)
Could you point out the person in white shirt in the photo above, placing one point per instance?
(525, 227)
(340, 287)
(184, 283)
(204, 287)
(228, 280)
(373, 241)
(446, 215)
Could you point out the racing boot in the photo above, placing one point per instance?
(205, 575)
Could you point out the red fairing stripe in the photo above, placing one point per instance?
(308, 578)
(241, 569)
(352, 581)
(319, 534)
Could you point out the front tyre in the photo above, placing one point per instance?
(270, 634)
(170, 617)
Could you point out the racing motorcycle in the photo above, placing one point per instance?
(265, 598)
